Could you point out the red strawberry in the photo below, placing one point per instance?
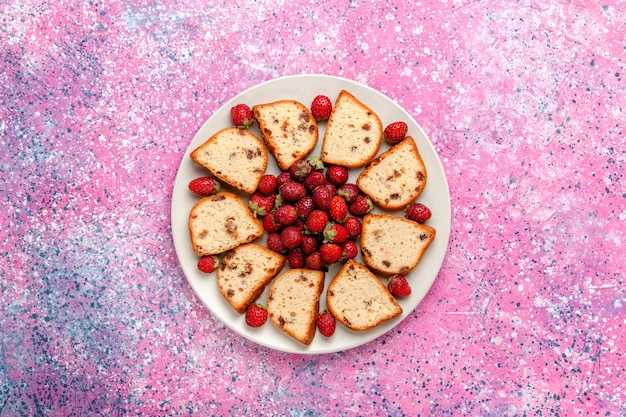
(418, 212)
(300, 169)
(256, 315)
(338, 209)
(335, 233)
(337, 175)
(353, 226)
(269, 224)
(291, 237)
(292, 191)
(314, 261)
(309, 244)
(316, 222)
(321, 107)
(349, 192)
(361, 206)
(282, 178)
(285, 215)
(331, 252)
(395, 132)
(295, 257)
(314, 180)
(241, 115)
(322, 197)
(326, 323)
(398, 286)
(267, 185)
(204, 186)
(305, 206)
(208, 264)
(261, 204)
(275, 243)
(350, 249)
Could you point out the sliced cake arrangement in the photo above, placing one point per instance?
(311, 215)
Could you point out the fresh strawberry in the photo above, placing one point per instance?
(326, 323)
(322, 197)
(316, 163)
(295, 257)
(314, 180)
(208, 264)
(256, 315)
(321, 107)
(335, 233)
(350, 250)
(291, 236)
(314, 261)
(261, 204)
(395, 132)
(305, 206)
(309, 244)
(300, 169)
(292, 191)
(398, 286)
(241, 116)
(361, 206)
(204, 186)
(338, 209)
(331, 252)
(349, 192)
(285, 215)
(269, 224)
(337, 175)
(354, 227)
(267, 185)
(282, 178)
(418, 212)
(316, 222)
(275, 243)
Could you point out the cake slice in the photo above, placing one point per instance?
(394, 245)
(244, 272)
(353, 134)
(396, 177)
(358, 300)
(221, 222)
(293, 302)
(288, 129)
(235, 156)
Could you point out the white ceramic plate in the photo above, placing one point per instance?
(304, 88)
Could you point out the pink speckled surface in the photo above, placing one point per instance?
(524, 102)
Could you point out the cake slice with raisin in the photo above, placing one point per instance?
(396, 177)
(288, 129)
(293, 302)
(235, 156)
(244, 272)
(394, 245)
(358, 300)
(353, 134)
(221, 222)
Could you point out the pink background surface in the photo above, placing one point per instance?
(524, 102)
